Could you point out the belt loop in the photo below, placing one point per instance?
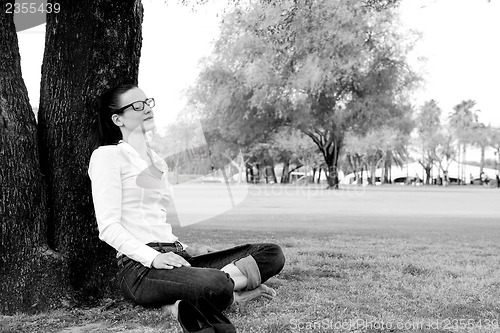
(160, 246)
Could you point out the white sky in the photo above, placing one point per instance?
(460, 42)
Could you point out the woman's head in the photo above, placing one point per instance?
(122, 110)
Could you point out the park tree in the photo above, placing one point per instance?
(23, 196)
(463, 120)
(372, 149)
(290, 146)
(494, 142)
(397, 153)
(260, 163)
(323, 68)
(445, 152)
(481, 138)
(428, 126)
(50, 247)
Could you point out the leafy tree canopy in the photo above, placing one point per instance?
(322, 67)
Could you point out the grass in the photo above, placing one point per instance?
(386, 259)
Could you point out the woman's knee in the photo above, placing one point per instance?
(270, 259)
(219, 288)
(276, 253)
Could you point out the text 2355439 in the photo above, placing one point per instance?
(32, 8)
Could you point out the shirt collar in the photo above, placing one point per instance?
(157, 160)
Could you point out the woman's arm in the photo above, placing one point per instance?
(105, 173)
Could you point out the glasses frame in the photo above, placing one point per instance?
(147, 102)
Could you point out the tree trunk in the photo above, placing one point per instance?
(428, 169)
(462, 176)
(355, 169)
(90, 46)
(285, 175)
(241, 168)
(481, 167)
(329, 143)
(387, 169)
(25, 259)
(332, 175)
(249, 173)
(373, 174)
(273, 175)
(257, 173)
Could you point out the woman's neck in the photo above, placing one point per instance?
(137, 140)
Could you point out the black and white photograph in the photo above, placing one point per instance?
(259, 166)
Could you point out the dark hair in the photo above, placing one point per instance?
(106, 132)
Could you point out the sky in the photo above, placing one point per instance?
(459, 42)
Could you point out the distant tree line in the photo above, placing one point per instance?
(440, 143)
(427, 138)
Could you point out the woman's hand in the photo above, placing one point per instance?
(197, 250)
(169, 260)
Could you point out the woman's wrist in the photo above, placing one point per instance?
(153, 262)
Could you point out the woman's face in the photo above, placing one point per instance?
(131, 120)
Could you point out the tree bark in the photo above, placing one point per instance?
(285, 175)
(257, 173)
(25, 258)
(329, 143)
(387, 170)
(90, 46)
(271, 173)
(332, 159)
(373, 175)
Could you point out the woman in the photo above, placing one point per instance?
(130, 194)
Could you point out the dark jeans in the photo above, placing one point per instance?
(157, 287)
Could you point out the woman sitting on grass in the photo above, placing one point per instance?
(130, 194)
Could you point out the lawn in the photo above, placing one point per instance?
(383, 259)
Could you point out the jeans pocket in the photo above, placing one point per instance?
(131, 277)
(127, 291)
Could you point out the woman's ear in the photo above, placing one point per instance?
(116, 120)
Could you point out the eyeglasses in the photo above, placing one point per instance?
(137, 105)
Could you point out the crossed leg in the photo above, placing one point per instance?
(247, 266)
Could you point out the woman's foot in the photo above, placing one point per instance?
(262, 290)
(171, 309)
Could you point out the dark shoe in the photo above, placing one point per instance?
(191, 319)
(220, 322)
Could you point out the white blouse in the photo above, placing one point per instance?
(130, 201)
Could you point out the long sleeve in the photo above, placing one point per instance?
(105, 173)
